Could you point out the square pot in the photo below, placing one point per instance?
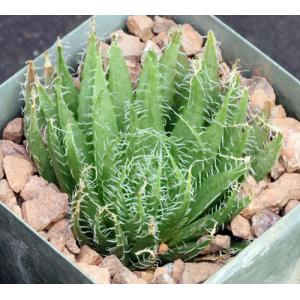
(272, 258)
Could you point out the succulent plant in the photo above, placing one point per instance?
(151, 171)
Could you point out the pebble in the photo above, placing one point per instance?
(97, 274)
(140, 26)
(290, 206)
(198, 272)
(14, 130)
(48, 207)
(276, 195)
(262, 221)
(240, 227)
(89, 256)
(162, 24)
(17, 170)
(131, 46)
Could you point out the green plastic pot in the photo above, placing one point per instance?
(272, 258)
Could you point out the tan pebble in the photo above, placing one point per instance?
(290, 206)
(163, 248)
(262, 95)
(113, 264)
(43, 234)
(6, 193)
(89, 256)
(290, 152)
(16, 209)
(17, 171)
(145, 275)
(49, 207)
(192, 41)
(14, 130)
(58, 243)
(131, 46)
(278, 112)
(71, 243)
(222, 241)
(97, 274)
(178, 268)
(11, 148)
(8, 198)
(60, 236)
(57, 234)
(285, 125)
(277, 171)
(127, 277)
(276, 196)
(198, 272)
(240, 227)
(161, 40)
(162, 24)
(262, 221)
(140, 26)
(165, 279)
(163, 273)
(251, 187)
(33, 187)
(69, 255)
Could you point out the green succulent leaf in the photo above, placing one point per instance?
(167, 66)
(266, 158)
(78, 218)
(68, 86)
(258, 134)
(37, 146)
(105, 130)
(210, 223)
(77, 150)
(119, 85)
(121, 246)
(58, 159)
(212, 187)
(186, 251)
(147, 100)
(210, 81)
(182, 80)
(192, 112)
(102, 234)
(47, 104)
(175, 218)
(29, 82)
(92, 83)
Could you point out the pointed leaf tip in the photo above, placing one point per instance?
(47, 61)
(59, 43)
